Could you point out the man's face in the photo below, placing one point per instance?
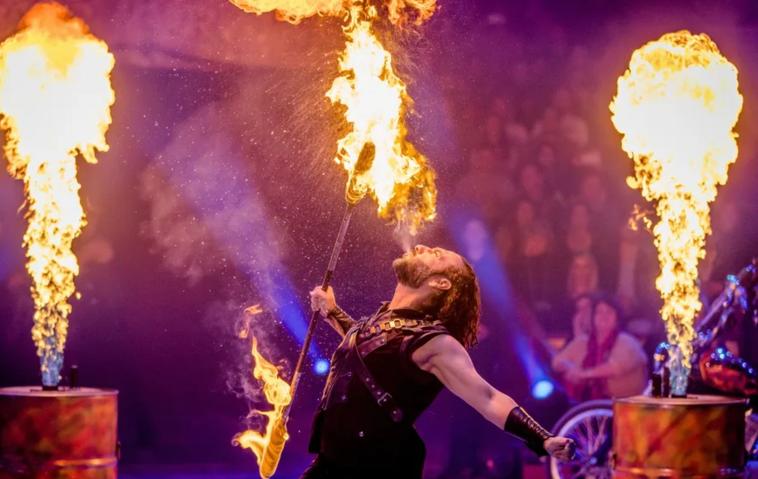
(422, 262)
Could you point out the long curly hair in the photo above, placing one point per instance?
(597, 351)
(459, 308)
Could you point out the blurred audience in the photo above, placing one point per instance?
(545, 174)
(538, 171)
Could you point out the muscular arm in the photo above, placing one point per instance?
(444, 357)
(570, 356)
(605, 370)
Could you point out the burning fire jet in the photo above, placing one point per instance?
(55, 99)
(676, 107)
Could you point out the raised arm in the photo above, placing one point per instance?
(448, 360)
(326, 304)
(570, 357)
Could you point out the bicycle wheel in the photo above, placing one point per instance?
(590, 425)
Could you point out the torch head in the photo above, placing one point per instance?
(358, 185)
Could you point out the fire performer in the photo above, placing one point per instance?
(389, 368)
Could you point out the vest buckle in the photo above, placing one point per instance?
(384, 399)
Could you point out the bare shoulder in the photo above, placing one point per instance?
(629, 346)
(628, 340)
(439, 346)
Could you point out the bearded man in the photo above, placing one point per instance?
(390, 367)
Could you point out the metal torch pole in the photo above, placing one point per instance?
(314, 317)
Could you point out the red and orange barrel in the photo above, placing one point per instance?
(64, 434)
(692, 437)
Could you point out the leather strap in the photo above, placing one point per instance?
(382, 397)
(524, 427)
(394, 323)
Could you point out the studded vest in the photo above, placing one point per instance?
(375, 392)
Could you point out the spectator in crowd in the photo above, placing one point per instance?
(582, 276)
(605, 222)
(578, 238)
(532, 259)
(606, 363)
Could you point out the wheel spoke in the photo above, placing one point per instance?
(590, 435)
(603, 431)
(590, 428)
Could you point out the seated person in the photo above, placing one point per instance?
(606, 363)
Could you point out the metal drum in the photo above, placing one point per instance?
(65, 434)
(692, 437)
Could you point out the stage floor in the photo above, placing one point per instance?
(223, 472)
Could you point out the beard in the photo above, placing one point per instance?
(410, 271)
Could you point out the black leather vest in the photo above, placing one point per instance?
(369, 421)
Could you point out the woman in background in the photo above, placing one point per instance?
(606, 363)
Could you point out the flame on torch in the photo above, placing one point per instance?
(676, 107)
(375, 101)
(293, 11)
(267, 446)
(55, 98)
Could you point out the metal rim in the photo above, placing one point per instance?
(590, 427)
(37, 392)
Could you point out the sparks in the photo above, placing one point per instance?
(55, 98)
(676, 107)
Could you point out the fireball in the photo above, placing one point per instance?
(55, 99)
(677, 106)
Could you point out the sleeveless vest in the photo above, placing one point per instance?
(375, 392)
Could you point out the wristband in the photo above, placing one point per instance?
(521, 425)
(338, 314)
(340, 317)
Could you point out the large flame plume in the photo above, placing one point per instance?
(267, 446)
(676, 107)
(375, 101)
(294, 11)
(55, 98)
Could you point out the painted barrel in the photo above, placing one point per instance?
(64, 434)
(692, 437)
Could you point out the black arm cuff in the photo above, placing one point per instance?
(341, 318)
(521, 425)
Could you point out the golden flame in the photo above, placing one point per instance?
(292, 11)
(676, 107)
(267, 446)
(375, 100)
(399, 12)
(55, 98)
